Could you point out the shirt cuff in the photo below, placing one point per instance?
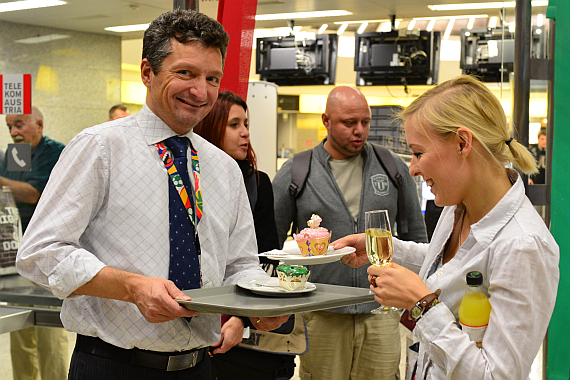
(73, 272)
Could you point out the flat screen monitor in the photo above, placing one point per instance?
(489, 53)
(399, 57)
(287, 61)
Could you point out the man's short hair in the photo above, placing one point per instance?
(121, 107)
(184, 26)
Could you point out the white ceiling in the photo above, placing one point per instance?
(94, 15)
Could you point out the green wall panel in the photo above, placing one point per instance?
(558, 362)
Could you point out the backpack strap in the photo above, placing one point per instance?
(299, 173)
(389, 164)
(302, 166)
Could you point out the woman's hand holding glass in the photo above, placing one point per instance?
(391, 284)
(397, 286)
(379, 249)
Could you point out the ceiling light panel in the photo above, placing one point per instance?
(491, 5)
(298, 15)
(127, 28)
(29, 4)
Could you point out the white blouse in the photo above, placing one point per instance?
(518, 257)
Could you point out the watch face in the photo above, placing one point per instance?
(416, 312)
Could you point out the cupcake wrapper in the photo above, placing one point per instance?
(292, 282)
(313, 246)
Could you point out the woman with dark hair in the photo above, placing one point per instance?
(227, 127)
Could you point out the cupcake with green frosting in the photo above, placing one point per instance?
(292, 277)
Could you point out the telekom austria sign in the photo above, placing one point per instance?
(16, 94)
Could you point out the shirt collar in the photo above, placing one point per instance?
(154, 129)
(489, 226)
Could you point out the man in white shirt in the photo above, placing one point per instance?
(99, 238)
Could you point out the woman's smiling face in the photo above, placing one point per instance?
(436, 160)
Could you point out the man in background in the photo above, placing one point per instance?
(118, 111)
(37, 352)
(343, 183)
(539, 153)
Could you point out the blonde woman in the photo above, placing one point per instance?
(463, 149)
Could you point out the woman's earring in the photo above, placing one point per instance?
(459, 151)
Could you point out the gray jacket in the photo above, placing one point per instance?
(322, 196)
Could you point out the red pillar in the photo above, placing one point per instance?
(238, 18)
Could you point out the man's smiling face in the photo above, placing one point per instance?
(186, 87)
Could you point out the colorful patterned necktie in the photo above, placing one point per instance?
(184, 263)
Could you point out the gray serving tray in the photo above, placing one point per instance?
(233, 300)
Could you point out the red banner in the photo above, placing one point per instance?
(238, 18)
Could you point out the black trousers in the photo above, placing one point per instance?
(244, 364)
(90, 367)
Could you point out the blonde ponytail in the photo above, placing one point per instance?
(522, 158)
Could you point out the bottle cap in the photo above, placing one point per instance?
(474, 278)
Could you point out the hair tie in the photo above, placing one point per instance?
(509, 141)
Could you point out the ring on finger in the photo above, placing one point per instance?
(373, 281)
(259, 320)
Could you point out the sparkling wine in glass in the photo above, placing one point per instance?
(379, 245)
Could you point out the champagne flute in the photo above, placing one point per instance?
(379, 245)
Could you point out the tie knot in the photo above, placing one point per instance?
(178, 145)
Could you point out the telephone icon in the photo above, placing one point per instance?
(17, 159)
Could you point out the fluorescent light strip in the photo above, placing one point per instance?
(29, 4)
(322, 29)
(41, 39)
(411, 24)
(470, 23)
(493, 21)
(449, 28)
(342, 29)
(297, 15)
(492, 5)
(385, 26)
(362, 28)
(368, 21)
(127, 28)
(446, 17)
(431, 25)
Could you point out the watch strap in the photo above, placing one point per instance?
(425, 303)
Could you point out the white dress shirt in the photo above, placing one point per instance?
(106, 204)
(518, 257)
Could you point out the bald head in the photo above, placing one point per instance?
(343, 95)
(347, 120)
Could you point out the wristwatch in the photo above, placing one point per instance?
(423, 305)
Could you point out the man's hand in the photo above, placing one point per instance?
(232, 334)
(154, 296)
(155, 299)
(268, 323)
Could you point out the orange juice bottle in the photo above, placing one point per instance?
(475, 309)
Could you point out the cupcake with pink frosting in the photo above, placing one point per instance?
(314, 240)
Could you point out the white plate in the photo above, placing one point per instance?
(293, 256)
(270, 286)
